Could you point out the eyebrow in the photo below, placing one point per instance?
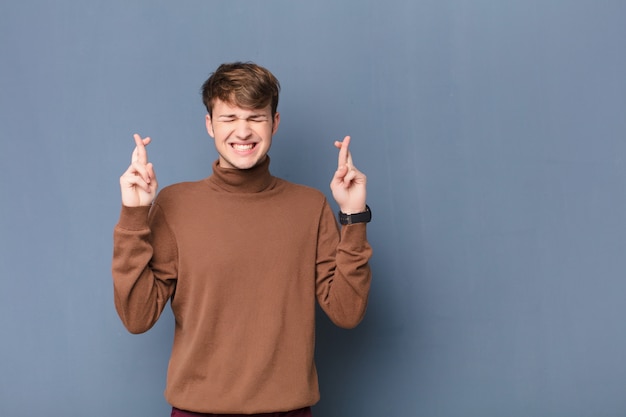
(251, 116)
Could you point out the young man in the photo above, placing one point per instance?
(242, 256)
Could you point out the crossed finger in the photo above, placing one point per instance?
(140, 154)
(345, 158)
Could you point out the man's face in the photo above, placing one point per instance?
(242, 137)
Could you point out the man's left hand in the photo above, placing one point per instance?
(348, 184)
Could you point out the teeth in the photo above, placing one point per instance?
(245, 147)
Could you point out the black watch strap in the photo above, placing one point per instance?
(363, 217)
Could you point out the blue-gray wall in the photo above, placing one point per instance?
(493, 134)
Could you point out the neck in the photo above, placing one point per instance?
(253, 180)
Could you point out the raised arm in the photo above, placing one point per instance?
(348, 184)
(144, 274)
(138, 184)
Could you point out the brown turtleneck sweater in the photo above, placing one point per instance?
(242, 256)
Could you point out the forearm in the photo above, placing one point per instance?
(344, 276)
(139, 293)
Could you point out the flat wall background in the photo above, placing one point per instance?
(493, 134)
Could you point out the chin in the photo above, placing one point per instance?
(239, 164)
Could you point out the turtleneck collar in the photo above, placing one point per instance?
(253, 180)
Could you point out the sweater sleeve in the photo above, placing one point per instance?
(343, 273)
(143, 267)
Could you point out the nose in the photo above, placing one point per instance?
(242, 129)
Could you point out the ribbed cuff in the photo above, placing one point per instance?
(134, 218)
(356, 232)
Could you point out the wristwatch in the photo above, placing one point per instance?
(363, 217)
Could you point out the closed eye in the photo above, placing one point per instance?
(255, 118)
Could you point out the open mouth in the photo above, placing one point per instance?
(243, 147)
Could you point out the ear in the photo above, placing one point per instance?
(276, 123)
(209, 125)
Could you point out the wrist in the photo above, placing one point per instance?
(353, 210)
(364, 216)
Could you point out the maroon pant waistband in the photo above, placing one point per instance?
(302, 412)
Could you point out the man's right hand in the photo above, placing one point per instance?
(139, 184)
